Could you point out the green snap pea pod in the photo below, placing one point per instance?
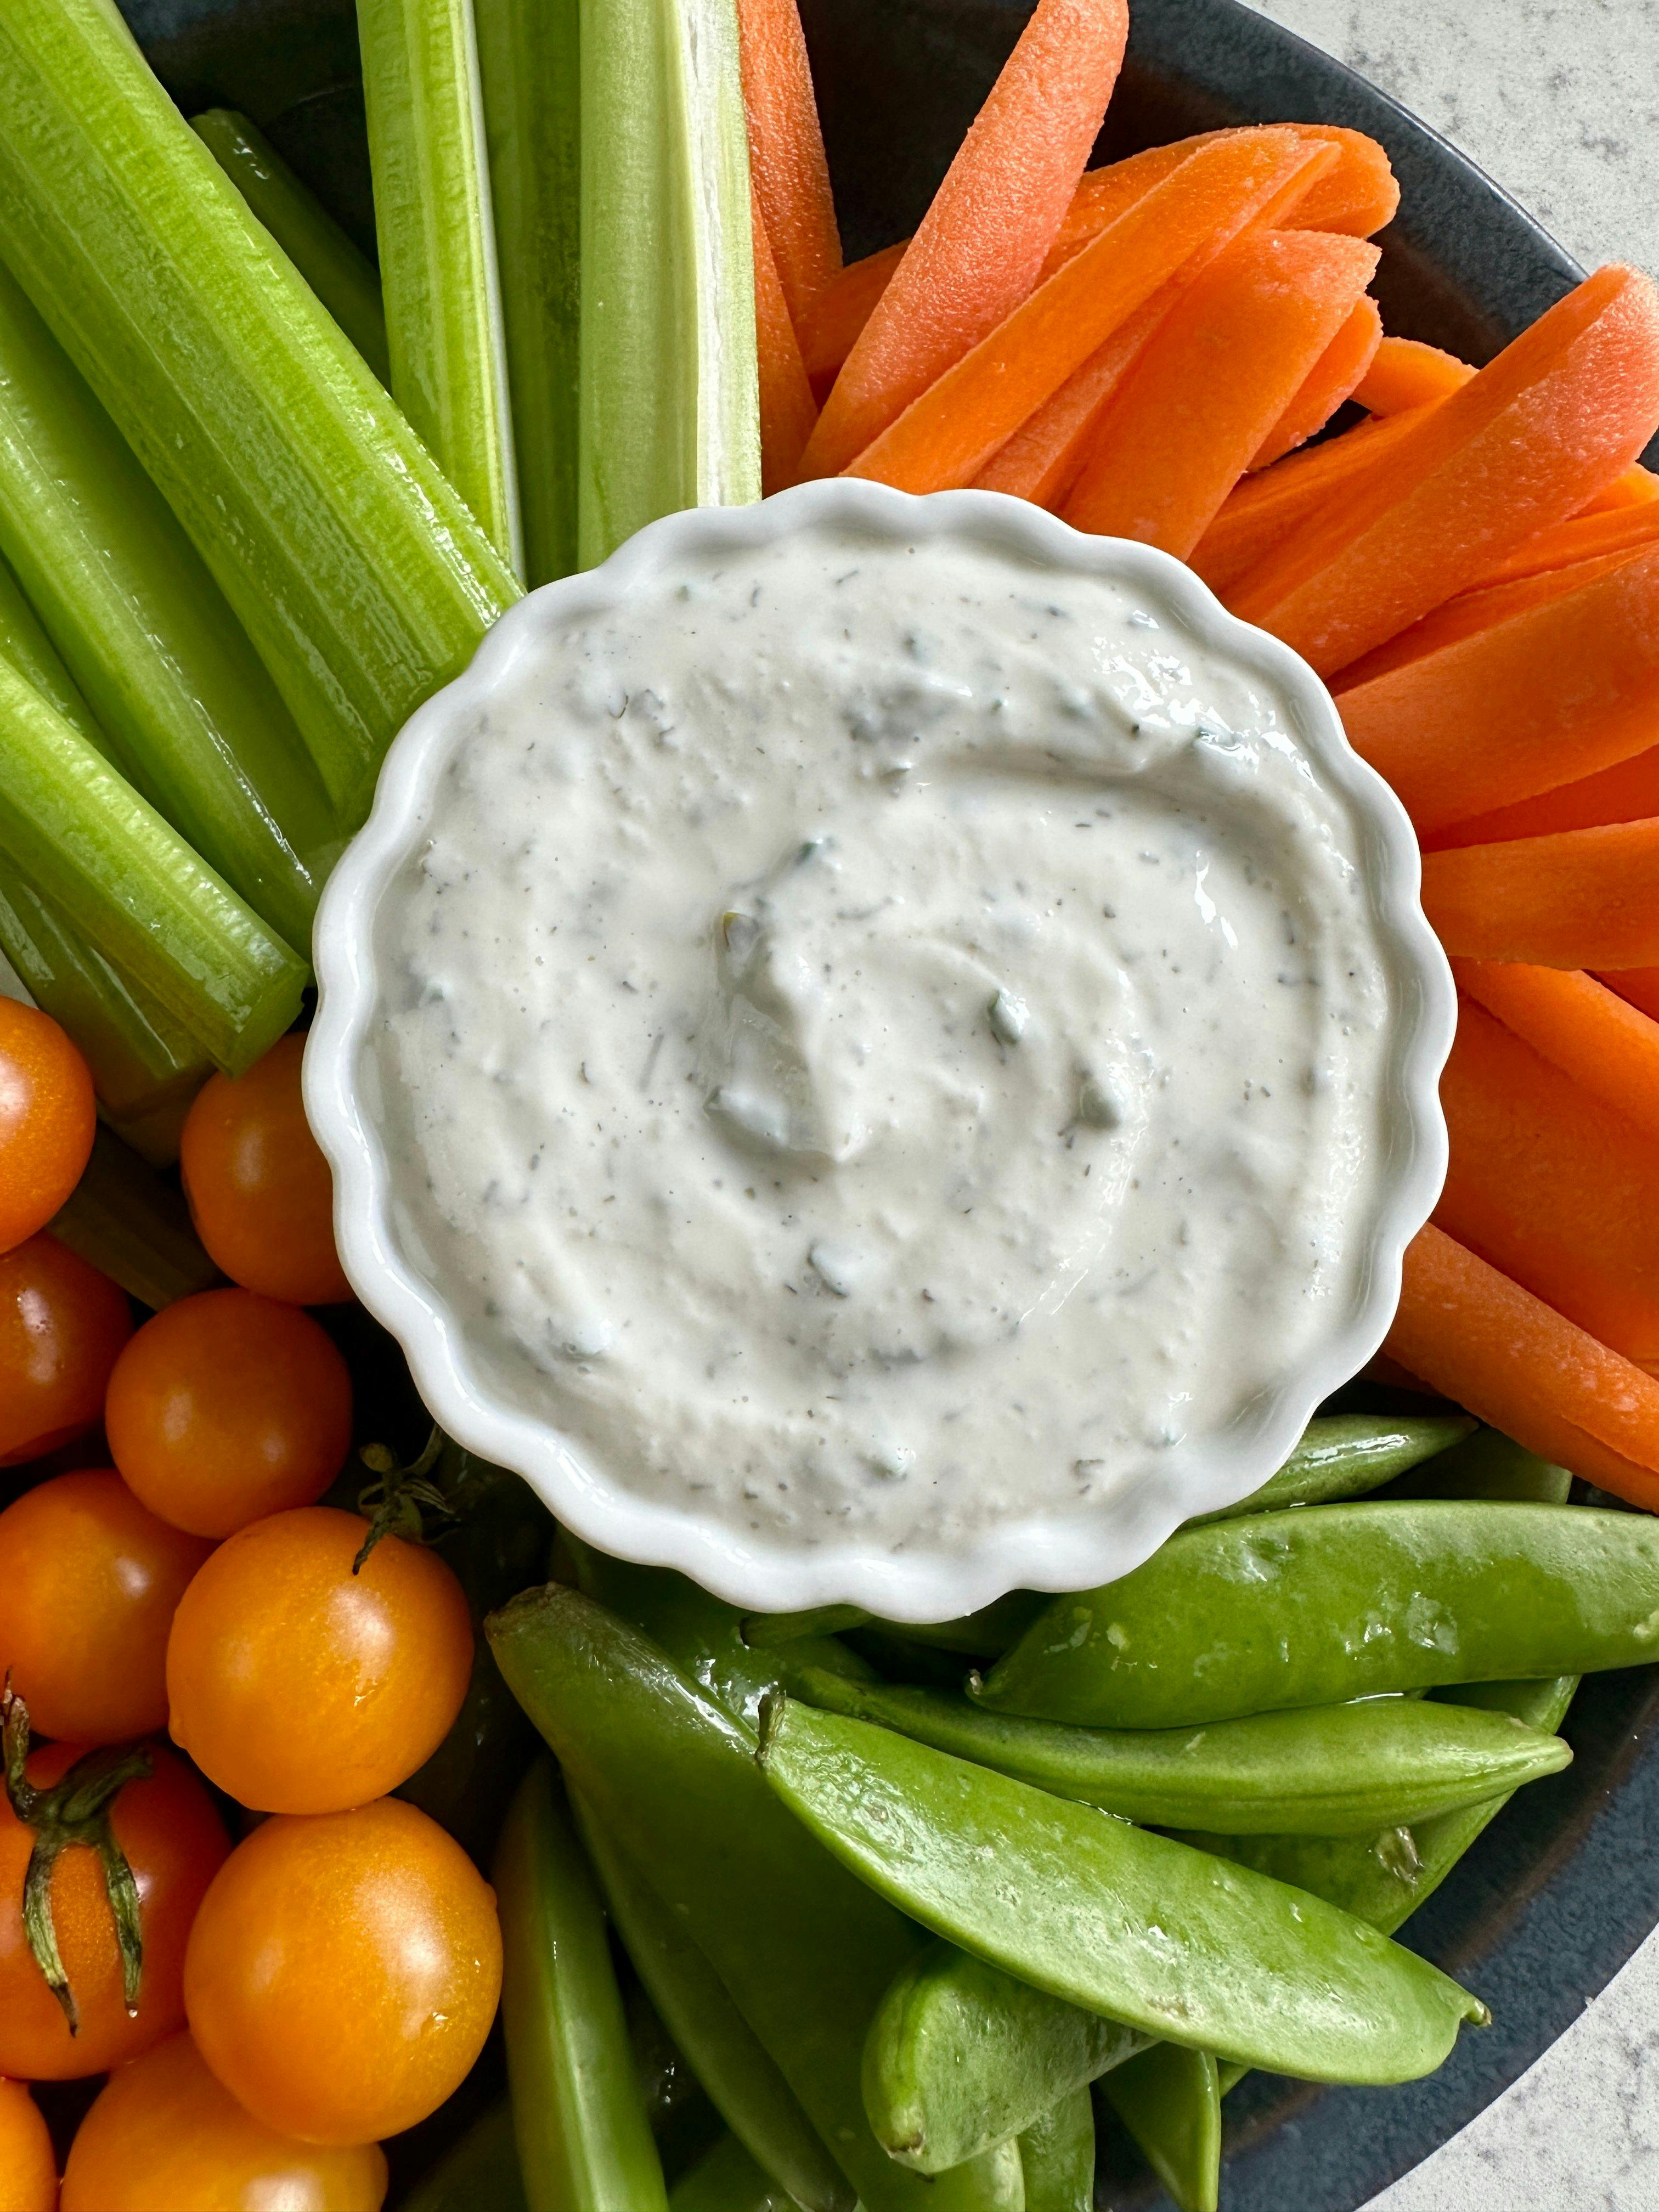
(583, 2141)
(683, 2120)
(343, 279)
(1170, 2100)
(764, 1632)
(961, 2056)
(728, 2179)
(1057, 2156)
(751, 2094)
(479, 2174)
(1325, 1771)
(1115, 1918)
(1335, 1603)
(1343, 1455)
(1489, 1464)
(123, 1218)
(806, 1950)
(982, 1635)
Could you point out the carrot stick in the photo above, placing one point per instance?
(788, 167)
(833, 318)
(1587, 898)
(1327, 384)
(988, 231)
(1408, 374)
(1263, 511)
(1551, 1185)
(1214, 379)
(1559, 691)
(1524, 444)
(1485, 607)
(786, 409)
(945, 438)
(1606, 1046)
(1638, 987)
(1585, 538)
(1492, 1346)
(1627, 792)
(1638, 487)
(1041, 462)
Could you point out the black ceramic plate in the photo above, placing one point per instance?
(1564, 1884)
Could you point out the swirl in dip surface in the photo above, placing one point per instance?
(883, 1041)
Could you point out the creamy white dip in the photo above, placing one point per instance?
(883, 1041)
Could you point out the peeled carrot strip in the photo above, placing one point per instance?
(1266, 509)
(1042, 460)
(1408, 374)
(1638, 487)
(1627, 792)
(945, 438)
(1522, 444)
(1638, 987)
(1327, 384)
(1587, 898)
(1559, 691)
(1604, 1044)
(786, 409)
(1214, 379)
(833, 318)
(1550, 1184)
(1585, 538)
(1492, 1346)
(788, 170)
(988, 231)
(1485, 606)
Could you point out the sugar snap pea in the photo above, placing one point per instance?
(806, 1950)
(1057, 2155)
(1335, 1603)
(961, 2056)
(580, 2121)
(1326, 1770)
(1113, 1917)
(764, 1632)
(728, 2179)
(482, 2169)
(1170, 2100)
(1343, 1455)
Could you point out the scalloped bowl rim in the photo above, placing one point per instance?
(1046, 1553)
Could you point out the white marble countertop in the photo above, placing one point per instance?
(1559, 101)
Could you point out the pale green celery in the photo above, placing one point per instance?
(77, 828)
(343, 279)
(436, 232)
(669, 407)
(529, 72)
(191, 716)
(122, 1219)
(33, 655)
(353, 564)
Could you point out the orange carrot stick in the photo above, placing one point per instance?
(1559, 691)
(789, 174)
(1587, 898)
(1551, 1185)
(1485, 607)
(945, 438)
(1638, 487)
(1213, 379)
(1585, 538)
(1522, 444)
(1490, 1346)
(1408, 374)
(834, 317)
(786, 410)
(988, 231)
(1638, 987)
(1604, 1044)
(1041, 462)
(1627, 792)
(1327, 384)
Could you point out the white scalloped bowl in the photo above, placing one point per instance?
(1203, 1473)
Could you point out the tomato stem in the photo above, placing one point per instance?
(397, 1502)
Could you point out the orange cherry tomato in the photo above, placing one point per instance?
(299, 1686)
(175, 1843)
(164, 2136)
(48, 1117)
(62, 1325)
(226, 1407)
(343, 1971)
(28, 2167)
(259, 1189)
(89, 1582)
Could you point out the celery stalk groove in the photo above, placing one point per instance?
(433, 219)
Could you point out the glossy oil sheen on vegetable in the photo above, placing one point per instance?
(882, 1042)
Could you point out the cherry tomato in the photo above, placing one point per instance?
(175, 1843)
(48, 1117)
(88, 1580)
(299, 1687)
(226, 1407)
(164, 2136)
(259, 1189)
(62, 1325)
(28, 2168)
(343, 1972)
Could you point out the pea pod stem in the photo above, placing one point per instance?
(1170, 2100)
(343, 279)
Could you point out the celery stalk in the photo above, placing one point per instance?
(670, 409)
(437, 240)
(529, 73)
(86, 840)
(33, 654)
(343, 279)
(122, 1219)
(353, 566)
(192, 717)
